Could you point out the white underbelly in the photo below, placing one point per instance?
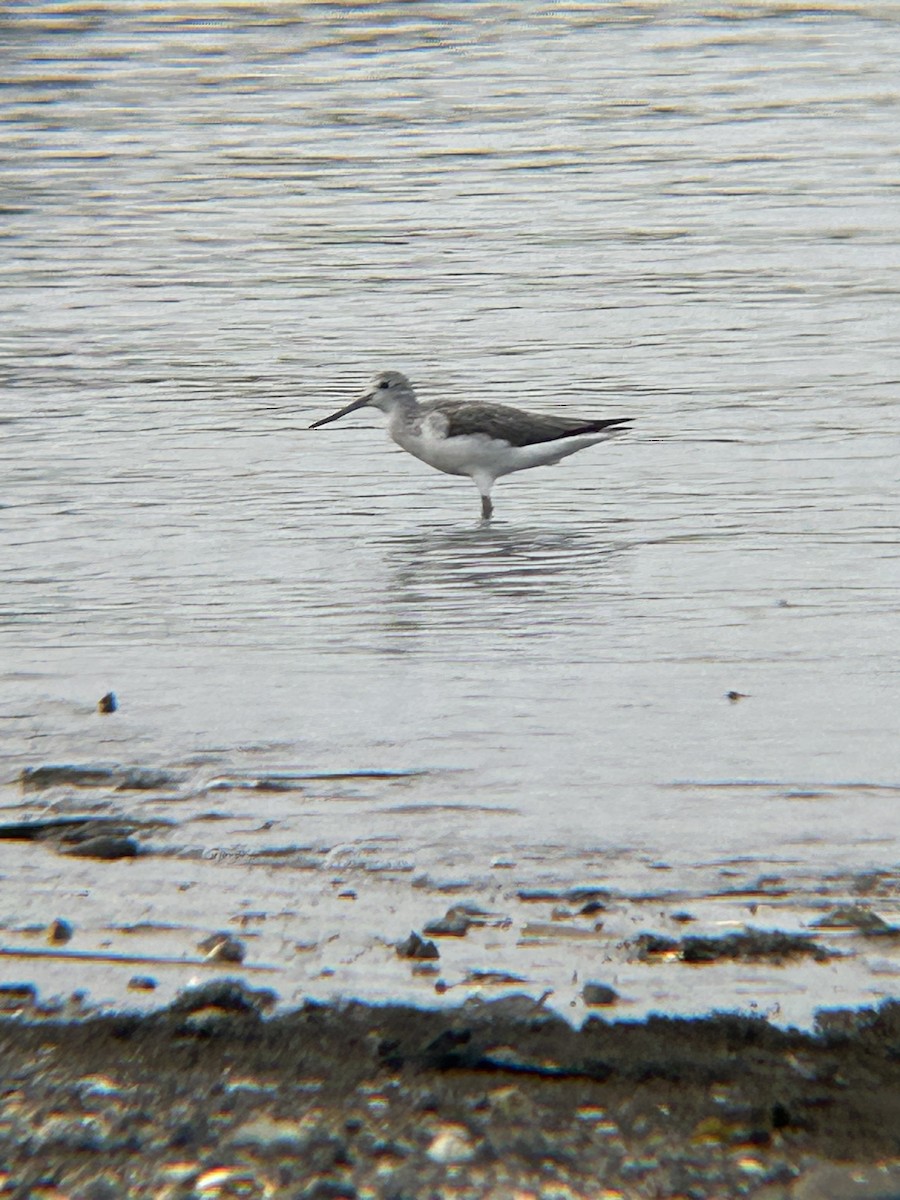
(479, 456)
(456, 456)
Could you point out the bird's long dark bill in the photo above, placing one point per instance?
(342, 412)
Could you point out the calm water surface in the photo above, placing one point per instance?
(219, 220)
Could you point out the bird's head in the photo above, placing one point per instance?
(385, 391)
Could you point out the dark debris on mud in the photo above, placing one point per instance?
(209, 1097)
(747, 945)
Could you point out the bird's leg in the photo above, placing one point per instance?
(487, 508)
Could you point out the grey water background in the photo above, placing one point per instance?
(219, 220)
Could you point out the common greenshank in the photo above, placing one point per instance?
(483, 441)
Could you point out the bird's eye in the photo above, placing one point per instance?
(384, 384)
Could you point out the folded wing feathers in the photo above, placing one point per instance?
(515, 426)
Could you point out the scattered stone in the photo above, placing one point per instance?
(483, 1099)
(266, 1132)
(751, 944)
(59, 931)
(456, 923)
(210, 1021)
(142, 983)
(16, 996)
(649, 945)
(227, 1181)
(229, 994)
(416, 947)
(107, 703)
(855, 916)
(735, 696)
(452, 1144)
(223, 947)
(107, 847)
(598, 995)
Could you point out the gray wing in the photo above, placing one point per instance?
(513, 425)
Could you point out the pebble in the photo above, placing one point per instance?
(59, 931)
(597, 995)
(416, 947)
(142, 983)
(451, 1144)
(213, 1182)
(268, 1132)
(223, 947)
(853, 916)
(453, 924)
(229, 994)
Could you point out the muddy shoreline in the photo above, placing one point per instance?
(211, 1097)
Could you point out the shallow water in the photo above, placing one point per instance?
(217, 223)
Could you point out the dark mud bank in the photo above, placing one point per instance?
(209, 1097)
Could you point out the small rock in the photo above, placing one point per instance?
(454, 924)
(416, 947)
(598, 995)
(229, 994)
(735, 696)
(106, 846)
(452, 1144)
(107, 703)
(853, 916)
(752, 944)
(648, 944)
(237, 1180)
(265, 1132)
(59, 931)
(222, 947)
(142, 983)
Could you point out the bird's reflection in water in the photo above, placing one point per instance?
(516, 580)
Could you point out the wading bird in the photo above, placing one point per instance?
(469, 437)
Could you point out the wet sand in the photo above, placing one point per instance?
(176, 1022)
(212, 1097)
